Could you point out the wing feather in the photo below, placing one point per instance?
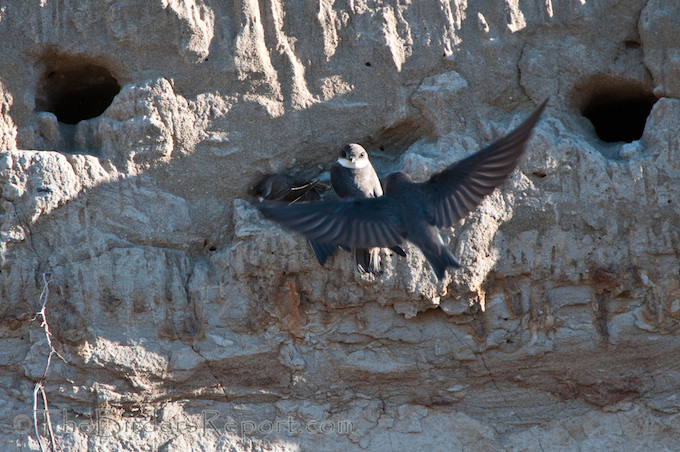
(366, 223)
(450, 195)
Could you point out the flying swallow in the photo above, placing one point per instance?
(410, 211)
(353, 176)
(288, 189)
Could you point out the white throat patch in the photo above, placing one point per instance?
(363, 163)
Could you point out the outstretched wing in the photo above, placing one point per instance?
(451, 194)
(365, 223)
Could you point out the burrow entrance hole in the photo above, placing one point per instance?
(75, 89)
(619, 114)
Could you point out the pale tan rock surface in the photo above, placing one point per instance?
(188, 322)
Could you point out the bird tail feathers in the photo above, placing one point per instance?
(322, 251)
(440, 259)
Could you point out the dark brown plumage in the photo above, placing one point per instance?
(411, 211)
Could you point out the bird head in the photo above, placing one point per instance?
(393, 181)
(353, 156)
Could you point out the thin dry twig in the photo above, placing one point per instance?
(40, 385)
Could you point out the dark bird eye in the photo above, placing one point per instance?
(363, 154)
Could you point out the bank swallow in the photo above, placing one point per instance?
(410, 211)
(353, 176)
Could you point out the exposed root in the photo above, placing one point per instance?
(40, 385)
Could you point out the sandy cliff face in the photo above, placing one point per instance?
(131, 133)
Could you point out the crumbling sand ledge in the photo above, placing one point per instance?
(183, 313)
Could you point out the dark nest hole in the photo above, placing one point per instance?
(75, 90)
(386, 146)
(619, 116)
